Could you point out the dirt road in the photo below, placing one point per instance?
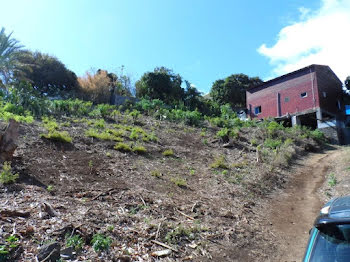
(294, 209)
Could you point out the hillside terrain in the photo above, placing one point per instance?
(141, 185)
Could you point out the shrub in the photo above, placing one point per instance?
(272, 128)
(100, 242)
(123, 147)
(272, 143)
(332, 180)
(62, 136)
(318, 136)
(180, 233)
(6, 176)
(71, 107)
(95, 87)
(74, 241)
(180, 182)
(168, 152)
(156, 173)
(219, 162)
(139, 149)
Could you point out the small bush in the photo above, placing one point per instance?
(58, 136)
(6, 176)
(272, 143)
(318, 136)
(100, 242)
(180, 233)
(123, 147)
(332, 180)
(180, 182)
(74, 241)
(156, 173)
(273, 127)
(220, 162)
(139, 149)
(168, 152)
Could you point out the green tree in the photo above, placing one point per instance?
(9, 52)
(161, 84)
(232, 89)
(47, 74)
(192, 97)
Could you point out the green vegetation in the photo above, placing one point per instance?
(332, 180)
(11, 243)
(6, 176)
(180, 182)
(62, 136)
(49, 188)
(108, 134)
(139, 149)
(272, 143)
(168, 152)
(123, 147)
(182, 233)
(156, 173)
(74, 241)
(101, 242)
(219, 162)
(232, 89)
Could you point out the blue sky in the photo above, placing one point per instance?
(199, 39)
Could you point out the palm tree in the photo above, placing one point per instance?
(10, 50)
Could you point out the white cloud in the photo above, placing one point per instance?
(318, 37)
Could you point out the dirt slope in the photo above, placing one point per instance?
(293, 211)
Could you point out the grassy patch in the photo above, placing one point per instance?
(123, 147)
(220, 162)
(168, 152)
(180, 182)
(139, 149)
(156, 173)
(61, 136)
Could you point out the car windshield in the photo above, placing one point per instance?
(332, 243)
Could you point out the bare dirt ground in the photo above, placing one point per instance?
(293, 210)
(203, 213)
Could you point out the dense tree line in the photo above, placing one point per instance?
(50, 77)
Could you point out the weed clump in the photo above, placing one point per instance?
(332, 180)
(123, 147)
(6, 176)
(168, 152)
(220, 162)
(139, 149)
(58, 136)
(74, 241)
(180, 182)
(101, 242)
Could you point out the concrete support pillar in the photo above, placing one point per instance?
(319, 117)
(295, 120)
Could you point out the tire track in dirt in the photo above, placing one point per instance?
(293, 211)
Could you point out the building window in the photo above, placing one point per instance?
(257, 110)
(302, 95)
(286, 99)
(324, 94)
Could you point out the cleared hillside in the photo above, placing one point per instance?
(140, 182)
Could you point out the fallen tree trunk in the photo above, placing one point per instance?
(8, 141)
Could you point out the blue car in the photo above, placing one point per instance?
(330, 236)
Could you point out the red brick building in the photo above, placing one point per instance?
(310, 96)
